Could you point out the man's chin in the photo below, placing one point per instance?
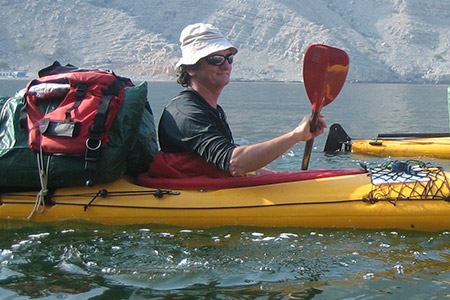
(223, 81)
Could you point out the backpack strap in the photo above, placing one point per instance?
(94, 142)
(23, 116)
(23, 111)
(81, 92)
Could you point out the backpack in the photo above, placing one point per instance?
(75, 127)
(90, 100)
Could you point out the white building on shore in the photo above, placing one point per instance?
(13, 74)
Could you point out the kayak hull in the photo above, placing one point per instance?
(438, 147)
(332, 202)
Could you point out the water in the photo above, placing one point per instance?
(89, 261)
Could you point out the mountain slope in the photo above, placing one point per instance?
(387, 40)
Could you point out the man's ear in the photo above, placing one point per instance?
(190, 71)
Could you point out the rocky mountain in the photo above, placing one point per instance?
(387, 40)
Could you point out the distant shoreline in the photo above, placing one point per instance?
(26, 79)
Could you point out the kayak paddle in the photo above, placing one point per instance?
(324, 71)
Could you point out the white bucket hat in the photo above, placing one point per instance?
(200, 40)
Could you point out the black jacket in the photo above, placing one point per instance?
(189, 124)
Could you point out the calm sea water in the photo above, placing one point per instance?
(89, 261)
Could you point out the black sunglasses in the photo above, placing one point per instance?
(218, 60)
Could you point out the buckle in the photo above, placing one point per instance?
(91, 146)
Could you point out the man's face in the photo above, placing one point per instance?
(212, 76)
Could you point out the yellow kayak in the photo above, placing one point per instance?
(343, 198)
(431, 145)
(437, 147)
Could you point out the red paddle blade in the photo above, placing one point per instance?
(324, 71)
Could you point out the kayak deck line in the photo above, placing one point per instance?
(155, 193)
(204, 208)
(93, 196)
(379, 142)
(365, 200)
(412, 135)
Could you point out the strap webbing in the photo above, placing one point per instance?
(94, 143)
(81, 92)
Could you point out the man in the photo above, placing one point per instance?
(193, 126)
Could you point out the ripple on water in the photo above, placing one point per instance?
(161, 260)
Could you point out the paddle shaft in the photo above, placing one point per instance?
(309, 144)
